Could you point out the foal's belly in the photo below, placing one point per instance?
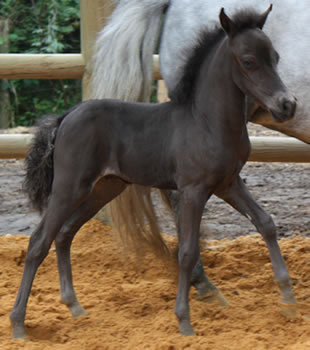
(143, 171)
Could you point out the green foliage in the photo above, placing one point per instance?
(42, 26)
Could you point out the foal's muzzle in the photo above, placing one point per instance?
(286, 108)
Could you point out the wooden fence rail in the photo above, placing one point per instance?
(264, 149)
(48, 66)
(41, 66)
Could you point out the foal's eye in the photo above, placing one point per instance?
(247, 64)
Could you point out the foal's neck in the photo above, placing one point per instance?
(218, 98)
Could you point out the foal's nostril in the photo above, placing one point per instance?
(289, 107)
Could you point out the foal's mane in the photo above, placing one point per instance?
(184, 92)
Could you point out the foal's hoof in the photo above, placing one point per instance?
(186, 329)
(212, 296)
(290, 311)
(77, 310)
(18, 331)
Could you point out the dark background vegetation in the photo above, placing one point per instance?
(41, 26)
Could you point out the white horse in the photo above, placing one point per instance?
(123, 69)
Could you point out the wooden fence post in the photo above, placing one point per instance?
(4, 93)
(93, 16)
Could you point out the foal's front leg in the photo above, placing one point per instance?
(191, 206)
(206, 289)
(239, 198)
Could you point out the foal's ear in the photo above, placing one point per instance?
(263, 17)
(227, 24)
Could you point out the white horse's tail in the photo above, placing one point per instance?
(124, 49)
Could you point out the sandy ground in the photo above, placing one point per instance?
(130, 305)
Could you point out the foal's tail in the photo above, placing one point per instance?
(39, 161)
(124, 48)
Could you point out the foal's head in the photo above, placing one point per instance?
(254, 63)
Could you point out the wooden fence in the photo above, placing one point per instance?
(264, 149)
(78, 66)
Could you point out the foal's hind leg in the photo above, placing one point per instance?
(59, 209)
(104, 191)
(238, 197)
(206, 289)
